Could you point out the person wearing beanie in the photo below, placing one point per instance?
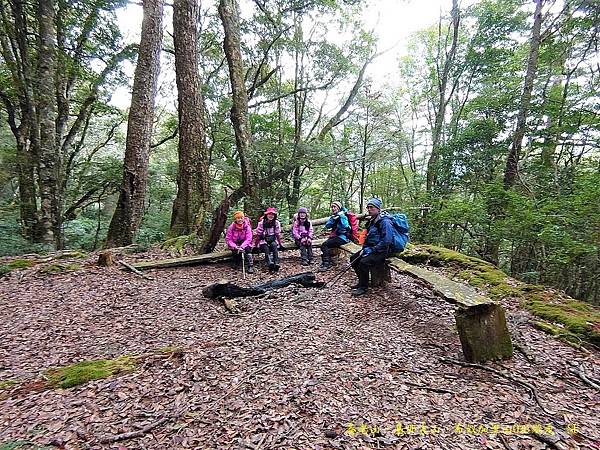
(340, 230)
(302, 232)
(377, 245)
(239, 240)
(268, 237)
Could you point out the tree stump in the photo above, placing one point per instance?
(483, 333)
(335, 253)
(106, 259)
(380, 275)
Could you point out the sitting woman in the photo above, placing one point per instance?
(302, 232)
(340, 230)
(268, 237)
(239, 239)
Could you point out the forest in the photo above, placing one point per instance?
(487, 137)
(133, 133)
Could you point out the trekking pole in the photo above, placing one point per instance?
(338, 275)
(243, 265)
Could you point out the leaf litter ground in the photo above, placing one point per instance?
(297, 369)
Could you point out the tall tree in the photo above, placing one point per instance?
(193, 188)
(49, 157)
(230, 16)
(512, 161)
(49, 94)
(128, 214)
(444, 97)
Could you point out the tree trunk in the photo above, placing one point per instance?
(49, 159)
(443, 101)
(130, 206)
(512, 162)
(27, 192)
(193, 189)
(229, 13)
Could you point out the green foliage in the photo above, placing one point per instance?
(84, 371)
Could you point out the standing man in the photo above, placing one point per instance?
(378, 242)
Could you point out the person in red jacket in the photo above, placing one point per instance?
(239, 240)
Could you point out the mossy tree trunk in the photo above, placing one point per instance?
(193, 189)
(130, 206)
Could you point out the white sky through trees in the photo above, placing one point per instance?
(393, 21)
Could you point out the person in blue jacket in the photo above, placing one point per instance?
(378, 242)
(340, 229)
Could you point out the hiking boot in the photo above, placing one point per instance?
(250, 269)
(359, 291)
(324, 267)
(276, 267)
(271, 267)
(305, 262)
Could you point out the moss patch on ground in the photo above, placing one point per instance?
(580, 320)
(16, 264)
(84, 371)
(7, 384)
(59, 268)
(21, 445)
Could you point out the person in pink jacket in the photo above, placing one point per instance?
(268, 237)
(239, 240)
(302, 232)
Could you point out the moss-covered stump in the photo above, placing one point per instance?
(483, 333)
(579, 320)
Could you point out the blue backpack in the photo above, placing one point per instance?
(401, 229)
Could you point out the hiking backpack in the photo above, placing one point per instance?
(353, 234)
(401, 229)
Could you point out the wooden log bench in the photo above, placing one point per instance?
(480, 321)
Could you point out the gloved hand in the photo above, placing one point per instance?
(366, 251)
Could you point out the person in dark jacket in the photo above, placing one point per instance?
(340, 228)
(378, 241)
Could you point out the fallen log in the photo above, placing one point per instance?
(225, 288)
(206, 258)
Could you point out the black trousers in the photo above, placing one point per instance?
(362, 265)
(271, 252)
(332, 242)
(306, 251)
(237, 257)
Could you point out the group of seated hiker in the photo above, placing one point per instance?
(383, 235)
